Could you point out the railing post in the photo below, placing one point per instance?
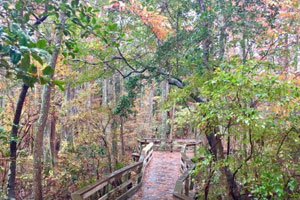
(191, 183)
(140, 146)
(186, 186)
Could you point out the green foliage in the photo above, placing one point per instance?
(3, 134)
(258, 110)
(124, 106)
(18, 49)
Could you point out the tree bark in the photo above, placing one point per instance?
(151, 94)
(38, 142)
(17, 116)
(13, 144)
(218, 151)
(53, 138)
(107, 150)
(104, 92)
(172, 132)
(122, 135)
(114, 145)
(164, 129)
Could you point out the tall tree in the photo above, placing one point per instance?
(21, 63)
(46, 96)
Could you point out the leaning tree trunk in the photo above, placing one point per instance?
(13, 144)
(38, 141)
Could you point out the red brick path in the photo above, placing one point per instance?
(160, 177)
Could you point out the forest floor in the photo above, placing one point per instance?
(160, 177)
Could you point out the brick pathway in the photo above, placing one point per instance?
(160, 177)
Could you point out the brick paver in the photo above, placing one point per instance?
(160, 177)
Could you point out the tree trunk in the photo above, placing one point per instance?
(164, 129)
(286, 55)
(38, 141)
(107, 151)
(172, 132)
(297, 55)
(122, 135)
(13, 144)
(151, 94)
(114, 145)
(53, 138)
(218, 151)
(38, 144)
(104, 92)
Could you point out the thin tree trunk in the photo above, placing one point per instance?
(53, 138)
(104, 92)
(114, 145)
(172, 133)
(122, 135)
(164, 130)
(38, 142)
(13, 144)
(107, 151)
(286, 57)
(297, 56)
(151, 94)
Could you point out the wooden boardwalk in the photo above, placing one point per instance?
(160, 177)
(155, 175)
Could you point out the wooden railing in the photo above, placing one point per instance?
(120, 184)
(171, 145)
(185, 183)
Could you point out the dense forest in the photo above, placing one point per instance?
(82, 80)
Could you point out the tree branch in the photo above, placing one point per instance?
(284, 137)
(249, 157)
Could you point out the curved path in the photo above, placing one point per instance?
(160, 177)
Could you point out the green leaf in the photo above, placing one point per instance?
(15, 56)
(15, 28)
(26, 17)
(94, 21)
(65, 54)
(22, 40)
(75, 3)
(112, 27)
(44, 80)
(32, 69)
(37, 58)
(66, 32)
(48, 70)
(115, 44)
(25, 62)
(60, 84)
(41, 44)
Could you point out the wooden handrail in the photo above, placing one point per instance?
(185, 183)
(169, 143)
(120, 184)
